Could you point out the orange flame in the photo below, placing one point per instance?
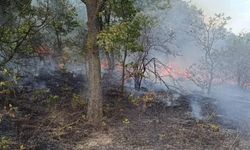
(175, 72)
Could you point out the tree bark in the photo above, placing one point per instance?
(95, 111)
(137, 76)
(59, 43)
(137, 83)
(123, 70)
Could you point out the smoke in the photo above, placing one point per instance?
(232, 103)
(196, 108)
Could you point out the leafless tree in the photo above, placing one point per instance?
(144, 63)
(207, 33)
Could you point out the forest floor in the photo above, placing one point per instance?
(55, 119)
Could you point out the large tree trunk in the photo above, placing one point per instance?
(95, 111)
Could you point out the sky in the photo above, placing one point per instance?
(238, 10)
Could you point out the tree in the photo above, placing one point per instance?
(95, 111)
(18, 31)
(120, 35)
(94, 9)
(119, 29)
(143, 63)
(116, 38)
(63, 22)
(115, 12)
(207, 34)
(235, 61)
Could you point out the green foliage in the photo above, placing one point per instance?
(8, 80)
(63, 15)
(124, 29)
(61, 21)
(123, 35)
(124, 9)
(16, 38)
(120, 10)
(17, 33)
(153, 4)
(22, 7)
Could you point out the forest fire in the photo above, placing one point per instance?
(43, 50)
(171, 70)
(174, 72)
(127, 74)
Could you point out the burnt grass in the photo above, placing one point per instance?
(50, 114)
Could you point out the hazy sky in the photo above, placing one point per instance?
(239, 10)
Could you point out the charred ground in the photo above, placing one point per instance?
(53, 116)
